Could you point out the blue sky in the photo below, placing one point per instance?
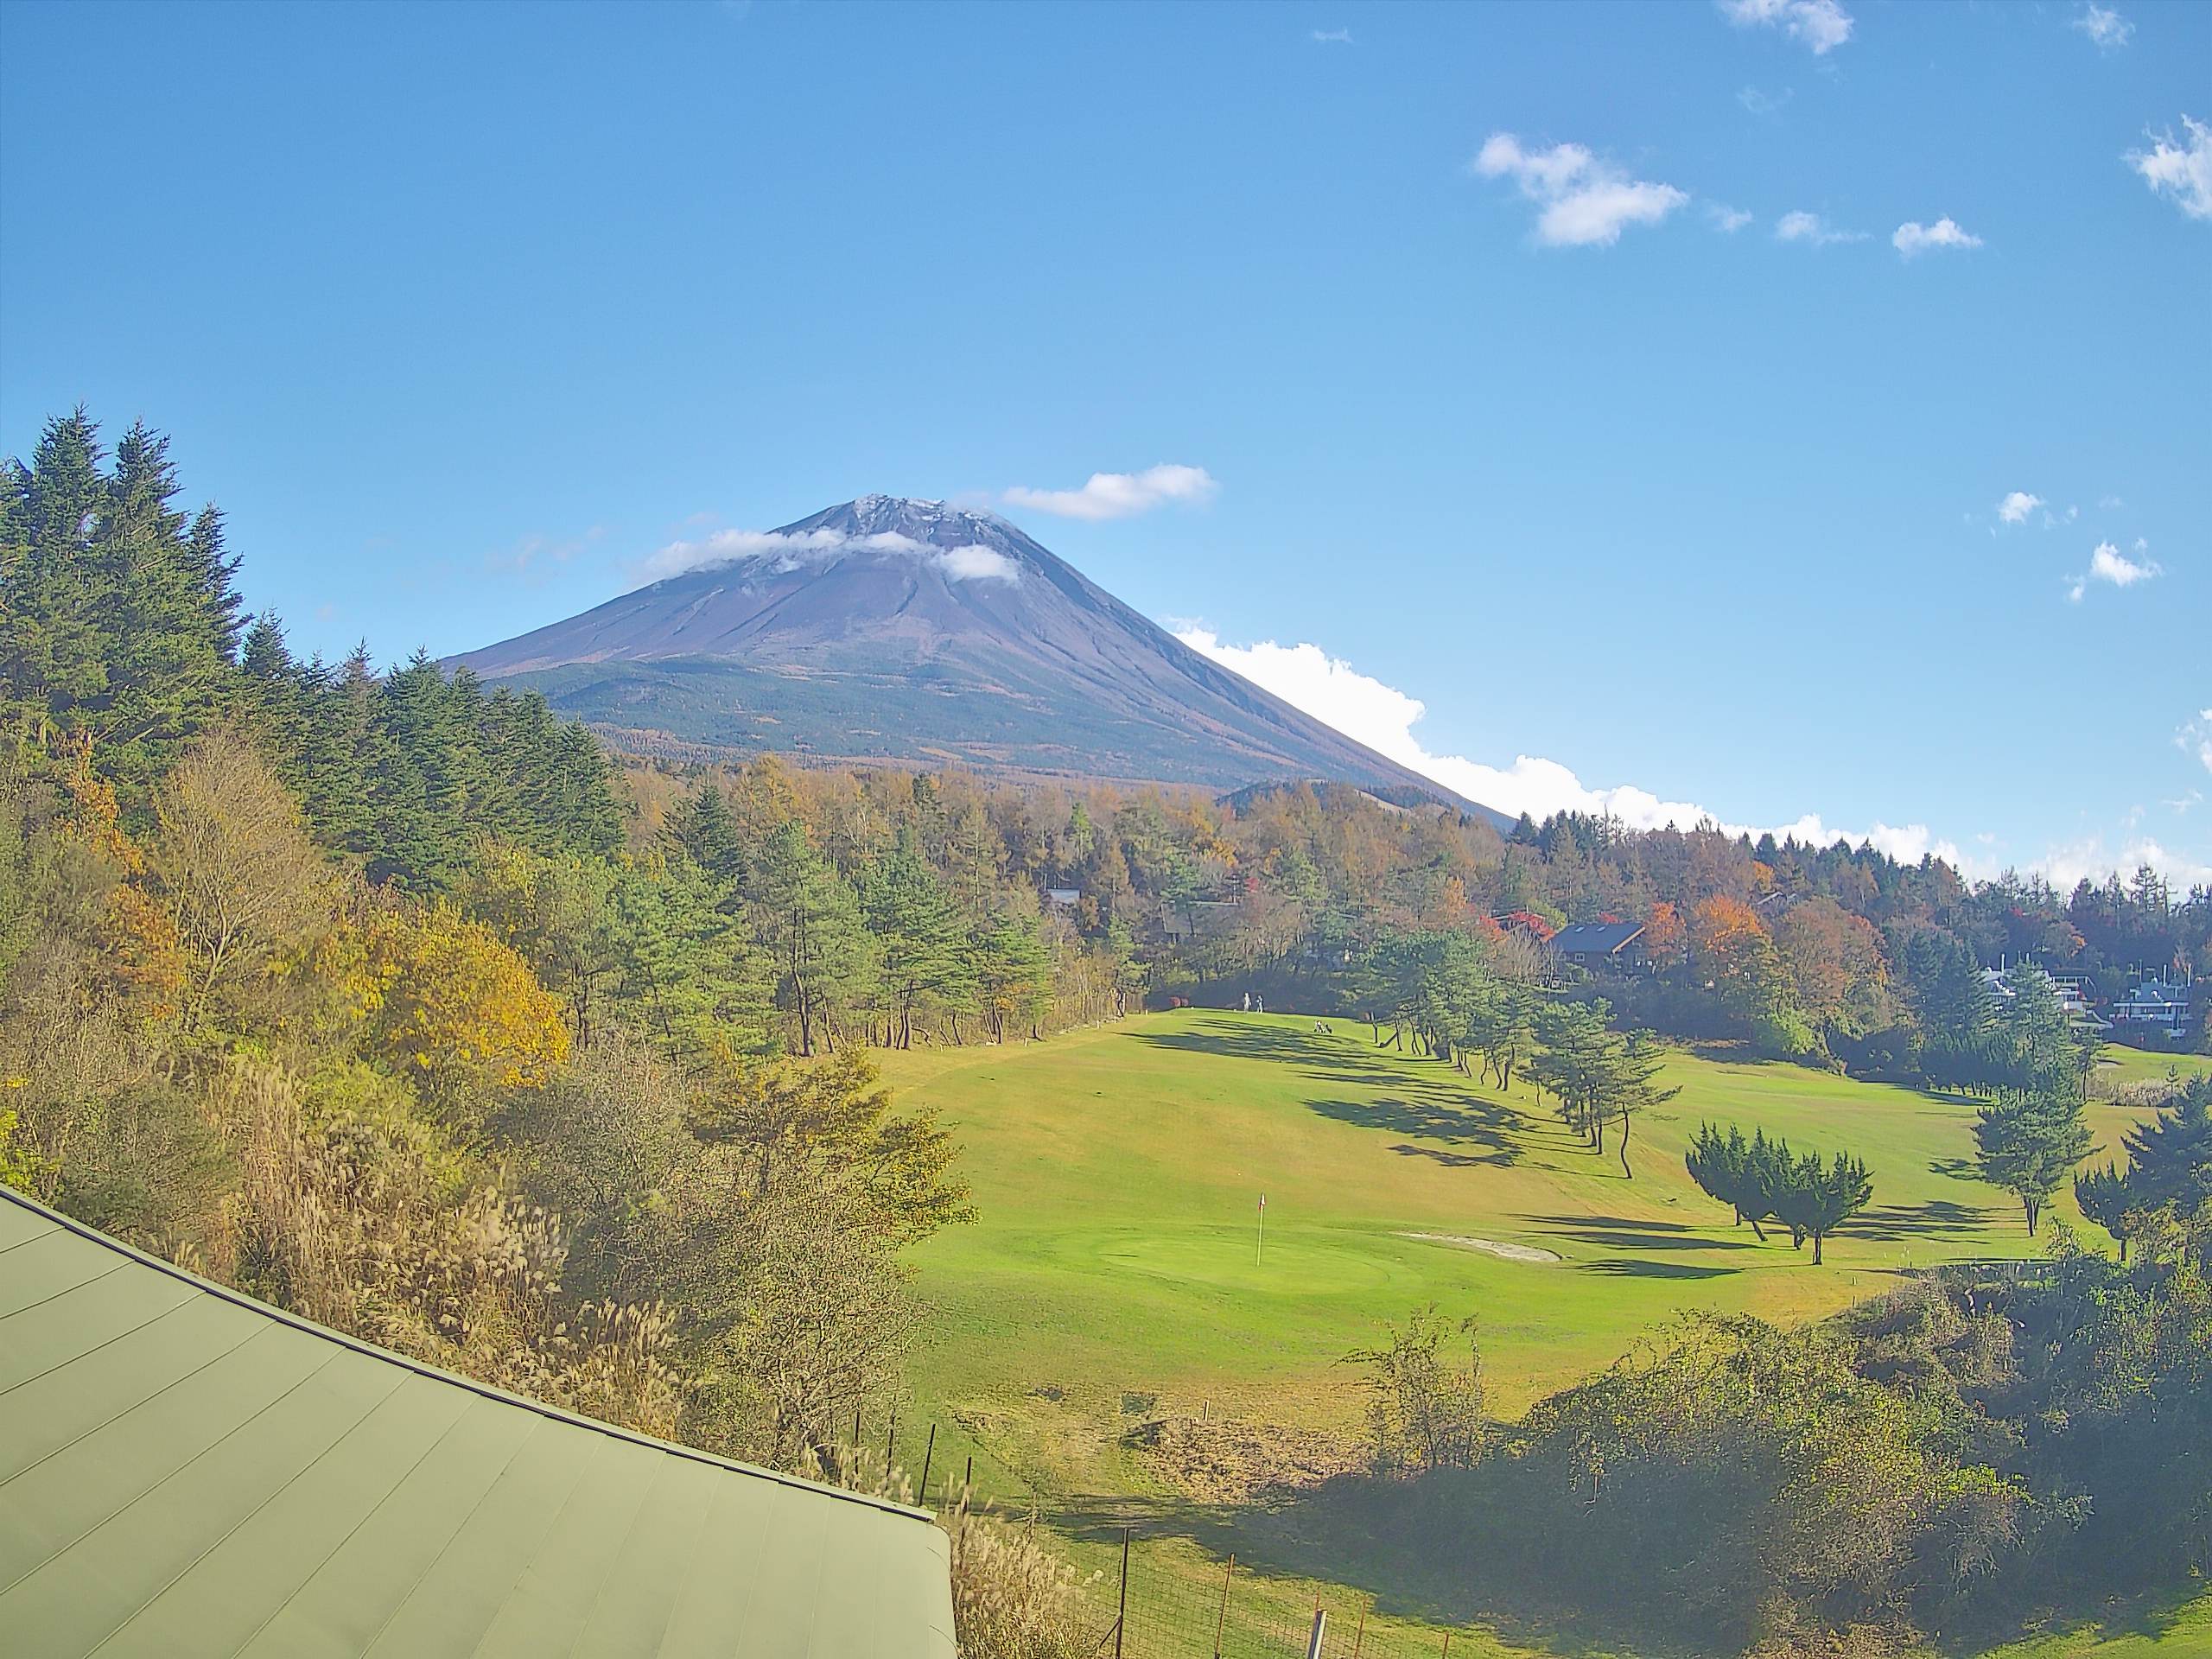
(1638, 388)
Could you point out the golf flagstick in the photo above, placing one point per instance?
(1260, 1249)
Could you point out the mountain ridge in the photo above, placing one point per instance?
(895, 629)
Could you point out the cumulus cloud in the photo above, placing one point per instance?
(775, 552)
(2107, 563)
(2183, 171)
(1726, 220)
(1332, 37)
(2017, 507)
(1382, 717)
(1912, 236)
(1584, 201)
(1823, 25)
(1801, 226)
(2196, 737)
(2091, 859)
(1118, 495)
(2104, 26)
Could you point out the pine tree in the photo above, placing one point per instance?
(2102, 1196)
(2029, 1144)
(808, 918)
(917, 931)
(703, 827)
(2170, 1158)
(1815, 1199)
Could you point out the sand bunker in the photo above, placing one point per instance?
(1487, 1246)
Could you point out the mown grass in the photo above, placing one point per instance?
(1115, 1271)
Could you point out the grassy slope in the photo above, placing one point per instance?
(1116, 1173)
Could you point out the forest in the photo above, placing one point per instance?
(399, 1002)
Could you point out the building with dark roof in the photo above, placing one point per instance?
(1593, 945)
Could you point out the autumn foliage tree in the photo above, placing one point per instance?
(457, 1007)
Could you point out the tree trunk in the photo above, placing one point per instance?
(1818, 1238)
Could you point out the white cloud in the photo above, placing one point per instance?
(1726, 220)
(2194, 737)
(1759, 103)
(1383, 717)
(2183, 172)
(1118, 495)
(1823, 25)
(2088, 859)
(1333, 37)
(1586, 202)
(976, 562)
(1801, 226)
(729, 546)
(2104, 26)
(778, 553)
(2016, 506)
(2107, 563)
(1912, 236)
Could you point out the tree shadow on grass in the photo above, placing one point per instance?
(1620, 1233)
(1619, 1267)
(1439, 1109)
(1940, 1219)
(1400, 1543)
(1453, 1548)
(1458, 1159)
(1478, 1123)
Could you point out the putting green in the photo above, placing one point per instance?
(1302, 1266)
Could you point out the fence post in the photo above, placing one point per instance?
(1359, 1636)
(890, 1440)
(1222, 1623)
(1121, 1612)
(1320, 1634)
(929, 1452)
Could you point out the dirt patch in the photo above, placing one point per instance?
(1226, 1461)
(1488, 1247)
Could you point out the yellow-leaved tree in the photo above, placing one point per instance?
(457, 1008)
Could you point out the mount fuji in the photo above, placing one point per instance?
(918, 633)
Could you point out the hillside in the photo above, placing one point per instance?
(912, 631)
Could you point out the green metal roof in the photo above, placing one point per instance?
(184, 1470)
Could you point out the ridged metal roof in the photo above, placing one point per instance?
(185, 1472)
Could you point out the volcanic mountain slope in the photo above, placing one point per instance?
(912, 631)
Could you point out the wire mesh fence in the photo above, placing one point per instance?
(1156, 1611)
(1149, 1605)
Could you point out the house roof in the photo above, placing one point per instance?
(186, 1471)
(1595, 939)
